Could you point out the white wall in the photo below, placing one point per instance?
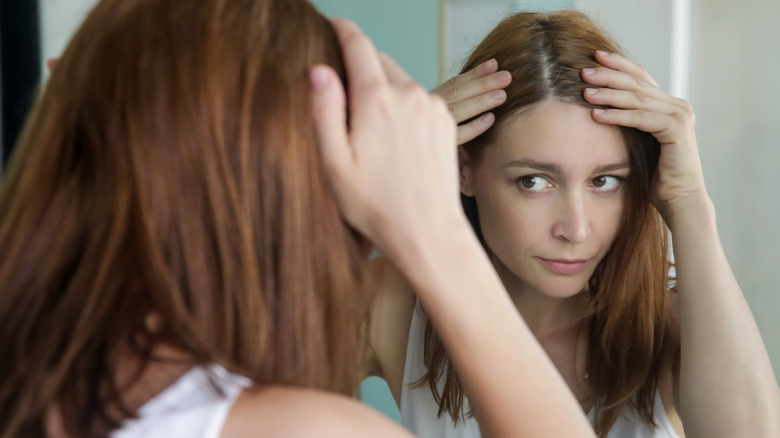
(466, 24)
(735, 92)
(642, 28)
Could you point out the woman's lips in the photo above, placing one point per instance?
(564, 267)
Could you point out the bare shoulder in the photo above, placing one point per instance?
(391, 315)
(295, 412)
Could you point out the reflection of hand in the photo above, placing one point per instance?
(639, 103)
(394, 171)
(472, 93)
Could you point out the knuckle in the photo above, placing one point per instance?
(451, 90)
(357, 39)
(486, 82)
(686, 114)
(414, 95)
(640, 96)
(373, 91)
(415, 91)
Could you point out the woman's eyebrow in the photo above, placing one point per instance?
(533, 164)
(612, 167)
(555, 168)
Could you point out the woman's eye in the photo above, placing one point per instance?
(606, 183)
(533, 182)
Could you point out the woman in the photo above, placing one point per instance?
(565, 192)
(175, 257)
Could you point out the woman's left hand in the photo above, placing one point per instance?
(638, 102)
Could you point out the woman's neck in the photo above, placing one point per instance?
(549, 316)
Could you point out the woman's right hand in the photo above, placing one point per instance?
(473, 93)
(394, 169)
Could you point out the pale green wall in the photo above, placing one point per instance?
(407, 30)
(542, 5)
(374, 392)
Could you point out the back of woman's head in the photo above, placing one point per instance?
(170, 169)
(545, 53)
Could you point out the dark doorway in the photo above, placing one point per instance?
(20, 66)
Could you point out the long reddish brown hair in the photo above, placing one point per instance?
(170, 167)
(546, 52)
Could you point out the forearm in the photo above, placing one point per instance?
(727, 387)
(514, 388)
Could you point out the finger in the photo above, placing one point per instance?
(474, 128)
(395, 74)
(648, 121)
(364, 69)
(618, 62)
(629, 100)
(469, 108)
(607, 77)
(51, 63)
(330, 118)
(484, 69)
(453, 92)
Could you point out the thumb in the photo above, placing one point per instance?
(330, 118)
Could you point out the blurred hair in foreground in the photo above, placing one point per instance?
(170, 169)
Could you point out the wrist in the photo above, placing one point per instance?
(695, 210)
(441, 247)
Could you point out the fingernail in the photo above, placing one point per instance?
(499, 95)
(504, 76)
(487, 118)
(591, 90)
(589, 71)
(599, 110)
(490, 63)
(602, 53)
(318, 78)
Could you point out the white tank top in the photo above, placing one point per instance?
(190, 408)
(419, 410)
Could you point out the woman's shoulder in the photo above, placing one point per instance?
(279, 411)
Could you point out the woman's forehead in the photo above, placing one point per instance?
(558, 132)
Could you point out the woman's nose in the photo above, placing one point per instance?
(572, 222)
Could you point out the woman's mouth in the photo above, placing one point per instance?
(563, 266)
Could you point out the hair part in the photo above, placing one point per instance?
(628, 315)
(171, 167)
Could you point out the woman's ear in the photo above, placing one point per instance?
(466, 173)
